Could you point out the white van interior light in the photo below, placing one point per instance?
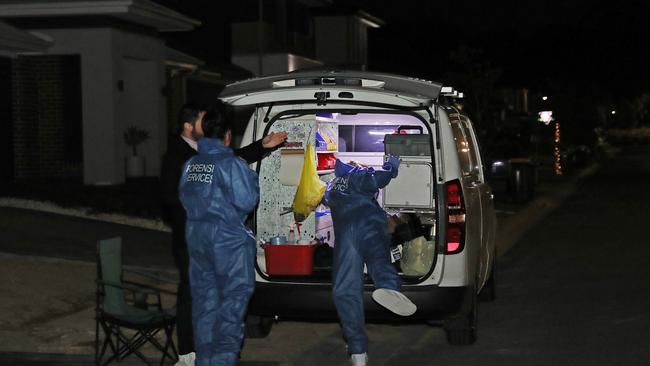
(380, 132)
(372, 83)
(284, 83)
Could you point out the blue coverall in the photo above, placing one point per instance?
(218, 191)
(360, 227)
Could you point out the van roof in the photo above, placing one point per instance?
(303, 83)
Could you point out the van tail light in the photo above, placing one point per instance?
(455, 218)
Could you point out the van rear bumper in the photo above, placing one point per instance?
(314, 301)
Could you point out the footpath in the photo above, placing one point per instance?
(47, 269)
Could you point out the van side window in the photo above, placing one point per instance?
(363, 138)
(346, 138)
(473, 147)
(462, 146)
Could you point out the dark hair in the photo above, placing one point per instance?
(189, 113)
(216, 121)
(408, 227)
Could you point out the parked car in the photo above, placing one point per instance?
(516, 178)
(363, 116)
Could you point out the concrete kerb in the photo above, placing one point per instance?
(86, 213)
(166, 275)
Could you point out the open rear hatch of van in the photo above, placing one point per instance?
(331, 86)
(362, 117)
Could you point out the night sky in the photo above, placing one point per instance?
(531, 42)
(538, 44)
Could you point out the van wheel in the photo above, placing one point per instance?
(461, 328)
(258, 326)
(489, 291)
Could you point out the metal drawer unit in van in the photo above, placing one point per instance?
(413, 187)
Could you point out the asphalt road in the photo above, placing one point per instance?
(28, 232)
(573, 290)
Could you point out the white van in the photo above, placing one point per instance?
(441, 187)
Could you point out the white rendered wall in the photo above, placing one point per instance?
(105, 113)
(139, 63)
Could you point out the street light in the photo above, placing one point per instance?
(613, 112)
(545, 116)
(544, 97)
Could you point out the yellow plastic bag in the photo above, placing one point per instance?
(310, 189)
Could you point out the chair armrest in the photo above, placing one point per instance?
(141, 287)
(132, 286)
(154, 277)
(139, 293)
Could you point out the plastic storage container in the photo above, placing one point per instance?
(408, 145)
(326, 161)
(289, 260)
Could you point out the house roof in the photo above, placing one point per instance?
(181, 60)
(350, 11)
(13, 40)
(144, 12)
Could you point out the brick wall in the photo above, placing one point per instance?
(40, 87)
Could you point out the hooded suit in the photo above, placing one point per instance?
(218, 191)
(360, 226)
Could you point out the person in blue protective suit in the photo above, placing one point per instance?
(180, 148)
(360, 226)
(218, 191)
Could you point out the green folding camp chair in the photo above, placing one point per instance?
(123, 305)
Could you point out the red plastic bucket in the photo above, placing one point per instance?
(289, 260)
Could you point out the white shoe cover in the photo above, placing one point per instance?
(394, 301)
(359, 359)
(186, 360)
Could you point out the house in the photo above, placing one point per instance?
(301, 35)
(75, 75)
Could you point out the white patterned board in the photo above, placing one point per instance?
(276, 198)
